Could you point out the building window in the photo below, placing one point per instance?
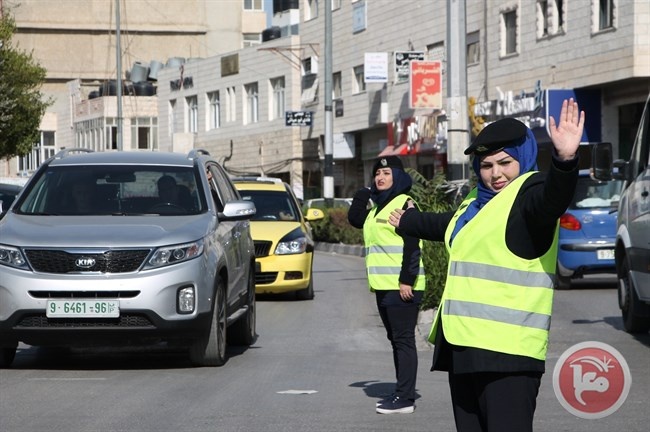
(358, 83)
(509, 32)
(336, 86)
(252, 101)
(214, 113)
(251, 39)
(254, 5)
(311, 9)
(89, 134)
(605, 14)
(277, 99)
(550, 17)
(473, 48)
(171, 117)
(309, 66)
(336, 4)
(110, 133)
(231, 104)
(192, 117)
(144, 133)
(556, 12)
(40, 152)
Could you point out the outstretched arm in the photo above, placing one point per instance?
(567, 132)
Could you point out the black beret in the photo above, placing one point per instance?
(497, 135)
(387, 162)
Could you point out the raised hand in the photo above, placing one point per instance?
(566, 134)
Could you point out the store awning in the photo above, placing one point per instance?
(390, 150)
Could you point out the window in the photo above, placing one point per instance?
(144, 133)
(309, 66)
(473, 48)
(88, 134)
(257, 5)
(336, 4)
(606, 9)
(550, 17)
(231, 104)
(252, 100)
(171, 117)
(336, 86)
(214, 113)
(251, 39)
(358, 83)
(110, 133)
(192, 118)
(277, 98)
(557, 16)
(40, 152)
(509, 32)
(311, 9)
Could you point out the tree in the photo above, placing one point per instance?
(22, 104)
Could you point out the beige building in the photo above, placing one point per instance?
(75, 40)
(522, 59)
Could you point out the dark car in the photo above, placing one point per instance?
(8, 193)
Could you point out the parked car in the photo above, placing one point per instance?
(94, 252)
(632, 251)
(284, 245)
(587, 231)
(8, 193)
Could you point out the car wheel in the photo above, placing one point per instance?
(307, 293)
(7, 355)
(562, 282)
(636, 314)
(242, 332)
(210, 349)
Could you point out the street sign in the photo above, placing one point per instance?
(298, 118)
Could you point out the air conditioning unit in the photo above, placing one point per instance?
(310, 65)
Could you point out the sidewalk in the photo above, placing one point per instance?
(425, 318)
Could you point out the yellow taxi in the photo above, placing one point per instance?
(284, 246)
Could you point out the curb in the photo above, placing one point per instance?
(425, 317)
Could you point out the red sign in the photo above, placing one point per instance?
(425, 85)
(591, 380)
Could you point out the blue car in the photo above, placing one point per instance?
(588, 231)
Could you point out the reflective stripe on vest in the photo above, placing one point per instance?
(384, 249)
(493, 299)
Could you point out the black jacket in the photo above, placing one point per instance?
(531, 224)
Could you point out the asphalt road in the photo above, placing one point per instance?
(316, 366)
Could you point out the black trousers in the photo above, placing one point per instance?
(494, 401)
(400, 321)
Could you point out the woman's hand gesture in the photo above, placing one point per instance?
(567, 133)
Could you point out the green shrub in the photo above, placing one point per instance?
(335, 228)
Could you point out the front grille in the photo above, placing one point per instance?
(262, 248)
(113, 261)
(263, 278)
(41, 321)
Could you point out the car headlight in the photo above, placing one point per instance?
(293, 243)
(12, 257)
(174, 254)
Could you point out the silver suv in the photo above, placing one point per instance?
(114, 248)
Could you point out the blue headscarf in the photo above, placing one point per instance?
(524, 151)
(402, 183)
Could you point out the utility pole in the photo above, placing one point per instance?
(328, 177)
(118, 50)
(457, 117)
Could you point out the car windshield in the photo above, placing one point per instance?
(271, 206)
(114, 189)
(594, 194)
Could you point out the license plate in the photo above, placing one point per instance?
(605, 254)
(83, 309)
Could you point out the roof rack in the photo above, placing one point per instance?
(195, 153)
(63, 153)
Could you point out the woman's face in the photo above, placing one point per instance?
(383, 179)
(498, 170)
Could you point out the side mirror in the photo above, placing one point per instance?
(601, 161)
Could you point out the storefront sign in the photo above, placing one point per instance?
(375, 67)
(402, 63)
(425, 85)
(298, 118)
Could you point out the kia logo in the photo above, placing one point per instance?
(85, 262)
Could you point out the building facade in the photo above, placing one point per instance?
(75, 41)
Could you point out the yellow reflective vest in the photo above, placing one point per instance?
(384, 248)
(493, 299)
